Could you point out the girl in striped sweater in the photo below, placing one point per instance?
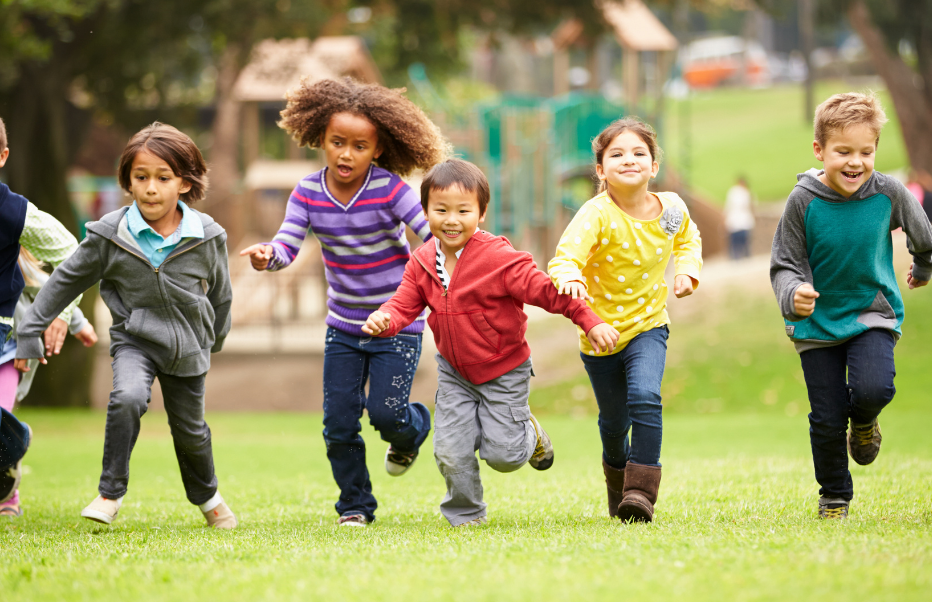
(357, 207)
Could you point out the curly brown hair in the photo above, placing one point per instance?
(408, 138)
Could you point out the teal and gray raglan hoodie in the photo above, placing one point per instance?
(178, 313)
(843, 247)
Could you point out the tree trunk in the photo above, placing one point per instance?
(40, 154)
(906, 88)
(224, 200)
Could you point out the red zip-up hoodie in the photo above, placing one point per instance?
(479, 322)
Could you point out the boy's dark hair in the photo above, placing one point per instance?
(175, 148)
(459, 173)
(3, 141)
(408, 139)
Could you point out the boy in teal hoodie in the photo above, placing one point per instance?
(831, 268)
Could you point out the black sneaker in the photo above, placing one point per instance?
(397, 462)
(832, 508)
(542, 458)
(9, 481)
(864, 442)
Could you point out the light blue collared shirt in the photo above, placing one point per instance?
(155, 247)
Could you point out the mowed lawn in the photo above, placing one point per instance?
(736, 515)
(720, 134)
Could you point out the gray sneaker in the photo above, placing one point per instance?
(832, 508)
(864, 442)
(542, 458)
(476, 522)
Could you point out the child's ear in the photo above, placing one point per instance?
(482, 217)
(654, 169)
(817, 150)
(185, 187)
(599, 171)
(378, 152)
(3, 156)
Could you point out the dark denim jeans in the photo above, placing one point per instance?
(627, 389)
(349, 361)
(14, 436)
(853, 381)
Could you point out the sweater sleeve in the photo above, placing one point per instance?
(687, 247)
(406, 206)
(406, 304)
(291, 234)
(69, 280)
(220, 295)
(789, 257)
(907, 213)
(49, 241)
(524, 282)
(577, 242)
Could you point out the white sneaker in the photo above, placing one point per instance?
(353, 520)
(102, 510)
(397, 463)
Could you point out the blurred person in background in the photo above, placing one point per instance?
(739, 219)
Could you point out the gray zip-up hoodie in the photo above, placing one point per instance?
(177, 313)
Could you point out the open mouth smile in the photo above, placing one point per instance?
(451, 233)
(344, 170)
(851, 176)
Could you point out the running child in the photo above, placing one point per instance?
(357, 207)
(831, 268)
(13, 385)
(476, 285)
(23, 226)
(163, 274)
(614, 253)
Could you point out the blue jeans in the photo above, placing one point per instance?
(14, 436)
(349, 361)
(627, 389)
(853, 381)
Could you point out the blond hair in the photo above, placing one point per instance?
(28, 265)
(844, 110)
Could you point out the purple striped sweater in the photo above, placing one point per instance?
(363, 242)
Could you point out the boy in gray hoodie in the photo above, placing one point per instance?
(163, 274)
(831, 268)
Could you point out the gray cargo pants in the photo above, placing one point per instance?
(493, 418)
(133, 375)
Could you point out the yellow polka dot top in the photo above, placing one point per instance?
(622, 260)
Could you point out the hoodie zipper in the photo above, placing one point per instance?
(158, 281)
(446, 303)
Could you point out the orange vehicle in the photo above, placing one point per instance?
(710, 62)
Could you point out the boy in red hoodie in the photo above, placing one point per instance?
(476, 285)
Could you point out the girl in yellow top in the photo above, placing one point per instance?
(614, 253)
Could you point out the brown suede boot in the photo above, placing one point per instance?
(641, 485)
(615, 483)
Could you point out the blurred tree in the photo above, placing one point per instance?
(898, 35)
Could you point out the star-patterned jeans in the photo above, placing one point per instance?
(388, 365)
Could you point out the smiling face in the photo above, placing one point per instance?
(453, 215)
(627, 162)
(155, 187)
(848, 158)
(350, 144)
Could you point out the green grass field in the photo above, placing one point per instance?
(736, 515)
(758, 133)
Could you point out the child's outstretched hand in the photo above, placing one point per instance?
(55, 336)
(23, 367)
(602, 337)
(259, 255)
(87, 335)
(683, 286)
(377, 323)
(912, 282)
(577, 289)
(804, 300)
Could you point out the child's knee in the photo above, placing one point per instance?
(129, 400)
(874, 393)
(505, 459)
